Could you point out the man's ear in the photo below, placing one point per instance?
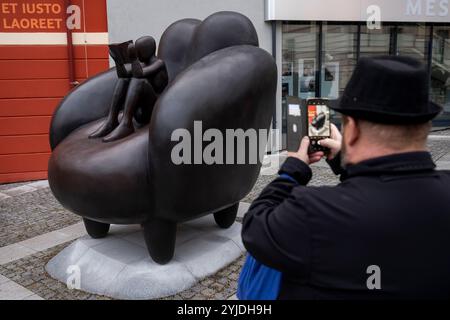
(352, 131)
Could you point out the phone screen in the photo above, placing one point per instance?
(318, 120)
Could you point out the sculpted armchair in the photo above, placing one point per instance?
(216, 74)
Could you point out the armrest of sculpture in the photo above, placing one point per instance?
(233, 88)
(88, 102)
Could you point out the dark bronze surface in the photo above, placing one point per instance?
(216, 74)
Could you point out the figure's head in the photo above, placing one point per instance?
(145, 48)
(362, 139)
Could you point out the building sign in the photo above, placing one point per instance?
(358, 10)
(46, 22)
(29, 16)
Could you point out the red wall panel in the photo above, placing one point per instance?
(23, 176)
(29, 88)
(34, 78)
(24, 144)
(53, 52)
(15, 163)
(24, 125)
(49, 69)
(28, 107)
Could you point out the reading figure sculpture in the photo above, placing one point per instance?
(113, 167)
(146, 77)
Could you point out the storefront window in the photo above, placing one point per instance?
(375, 41)
(339, 57)
(299, 65)
(343, 43)
(413, 41)
(440, 72)
(299, 59)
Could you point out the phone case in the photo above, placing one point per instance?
(318, 123)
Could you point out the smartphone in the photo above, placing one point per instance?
(318, 123)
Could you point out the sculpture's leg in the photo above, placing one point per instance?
(112, 121)
(148, 100)
(125, 126)
(96, 229)
(160, 239)
(226, 217)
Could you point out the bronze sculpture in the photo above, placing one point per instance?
(141, 75)
(217, 74)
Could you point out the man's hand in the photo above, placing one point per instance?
(303, 155)
(334, 143)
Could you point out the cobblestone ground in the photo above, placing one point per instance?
(439, 148)
(31, 214)
(220, 286)
(259, 186)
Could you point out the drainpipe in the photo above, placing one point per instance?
(71, 63)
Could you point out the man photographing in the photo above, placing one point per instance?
(384, 231)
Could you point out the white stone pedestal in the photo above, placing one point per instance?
(119, 266)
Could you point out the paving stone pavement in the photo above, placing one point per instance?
(31, 214)
(439, 148)
(440, 132)
(259, 186)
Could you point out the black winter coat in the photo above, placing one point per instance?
(390, 213)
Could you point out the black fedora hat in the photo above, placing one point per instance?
(388, 89)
